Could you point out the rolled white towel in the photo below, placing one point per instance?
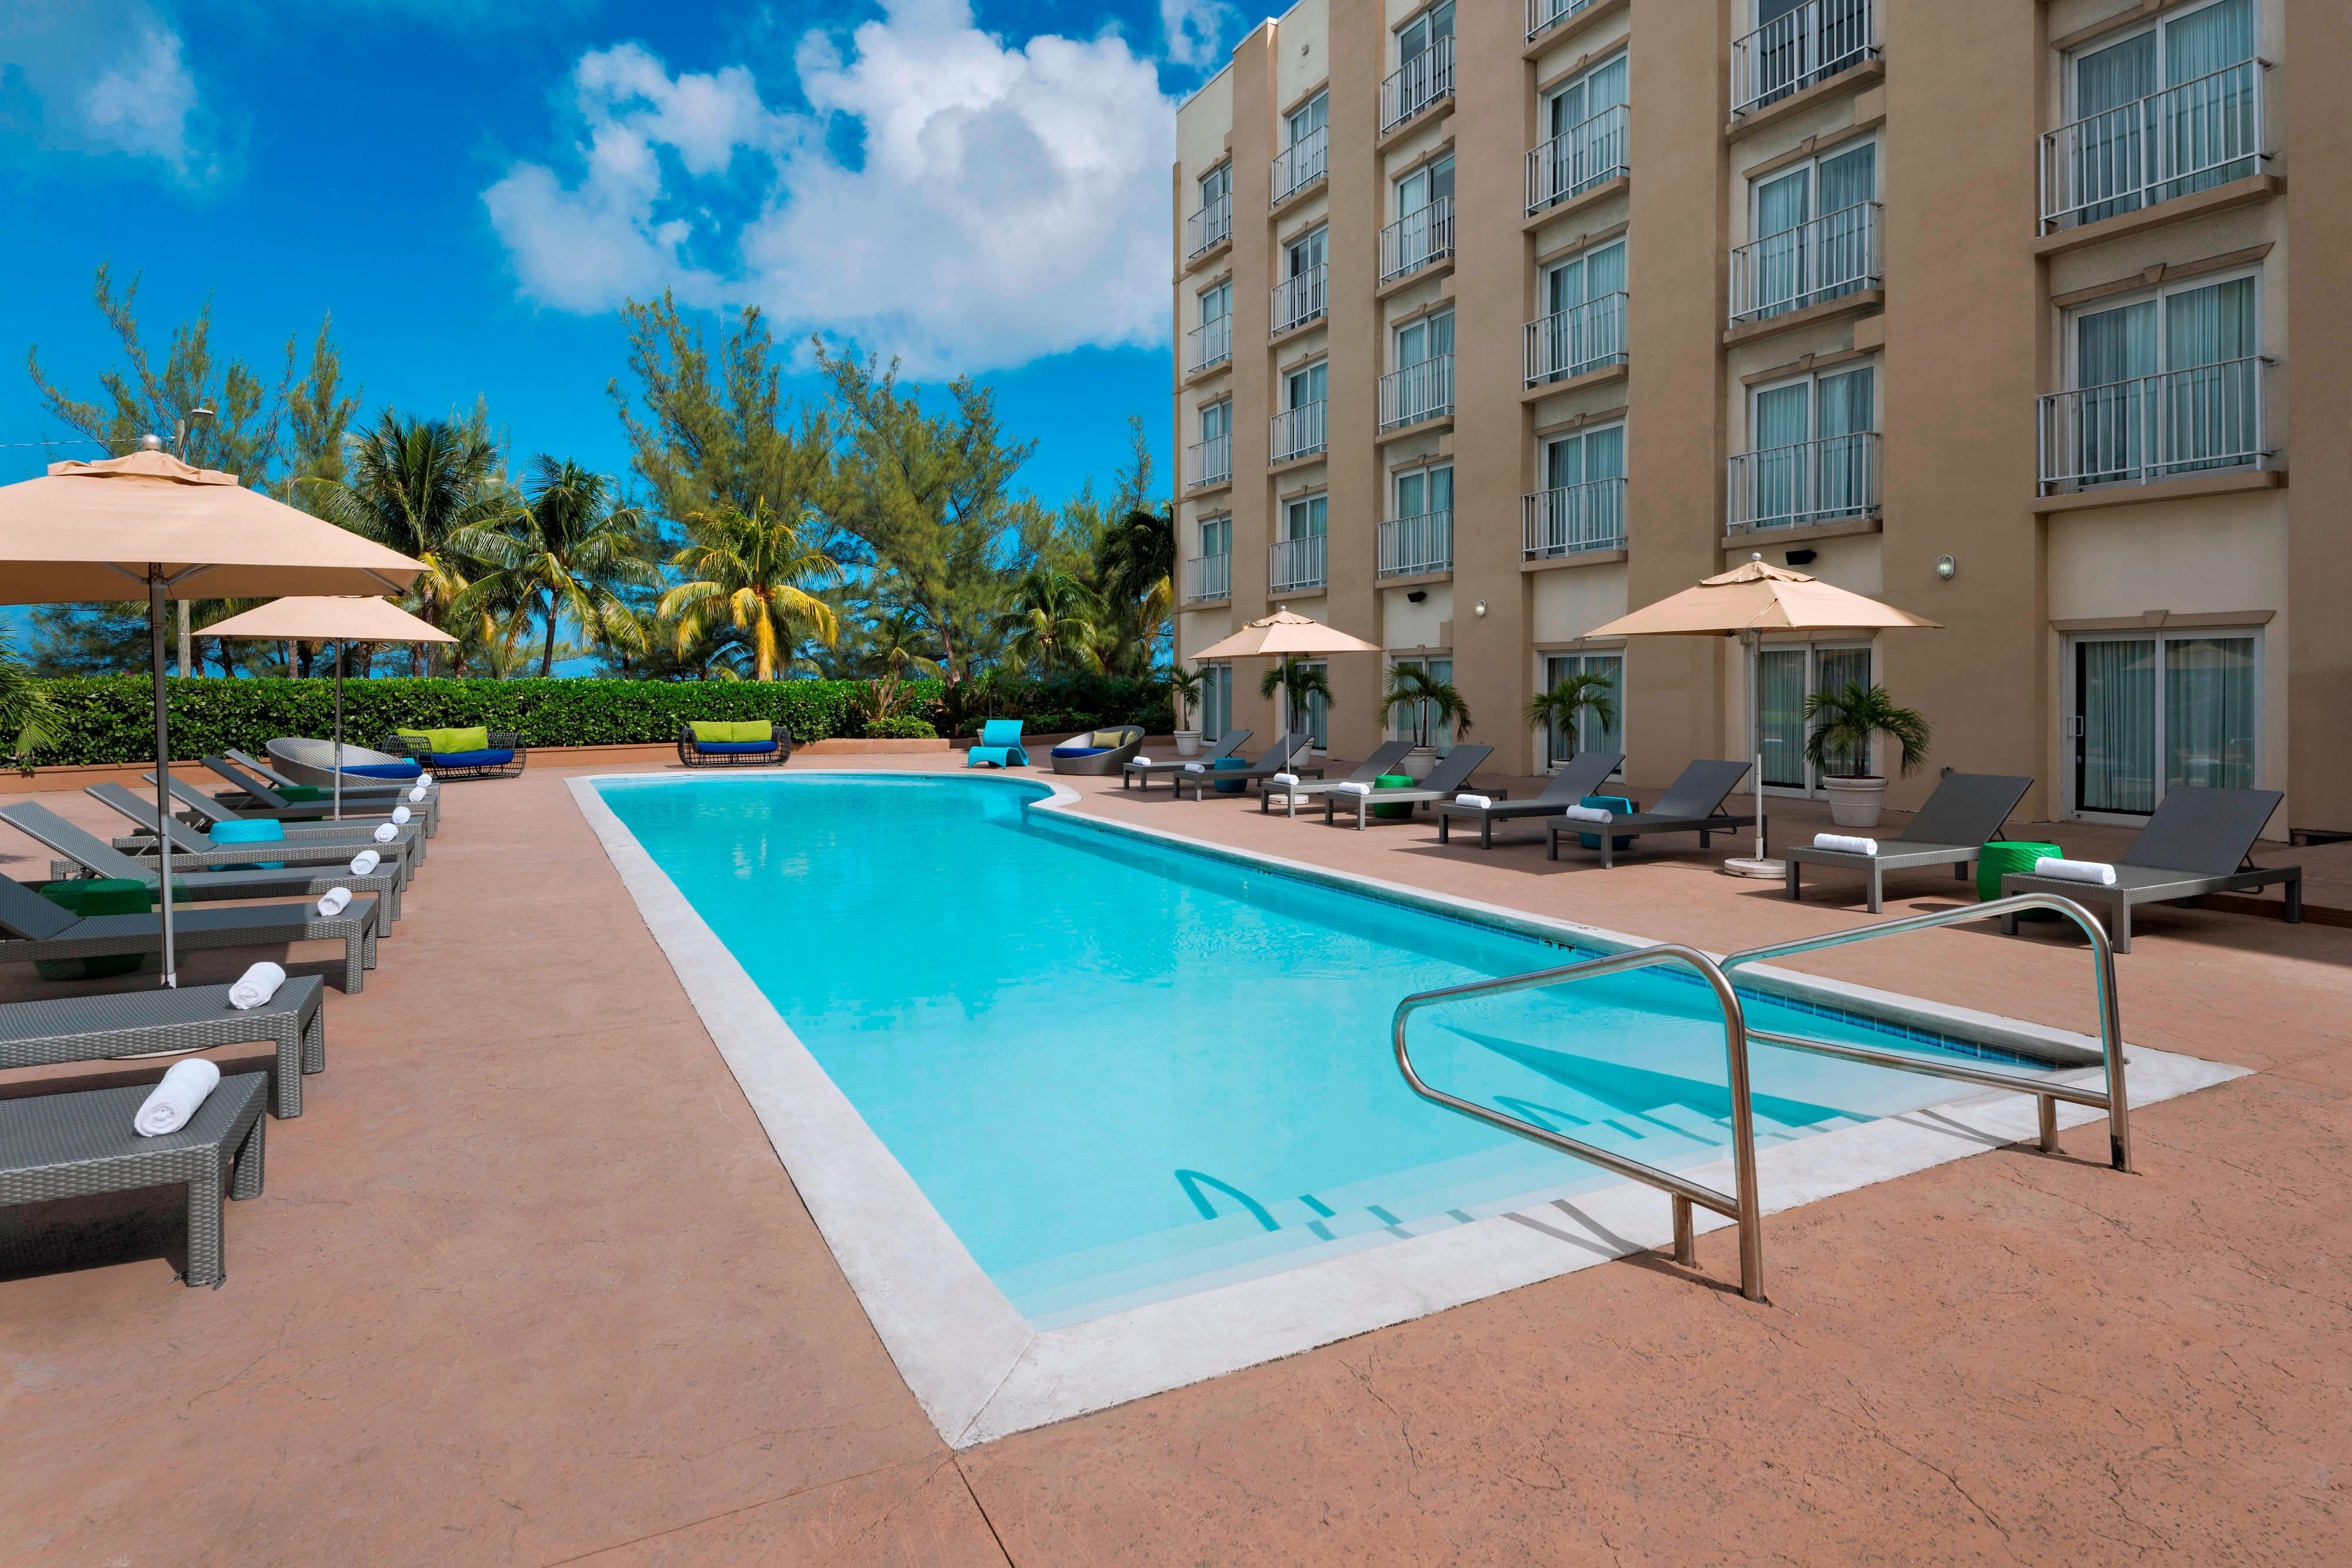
(384, 833)
(425, 781)
(1280, 799)
(365, 863)
(400, 815)
(1285, 779)
(1140, 760)
(418, 794)
(256, 986)
(1196, 768)
(175, 1100)
(1589, 814)
(1845, 844)
(2099, 871)
(333, 902)
(1351, 787)
(1481, 802)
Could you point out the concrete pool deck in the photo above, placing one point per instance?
(529, 1285)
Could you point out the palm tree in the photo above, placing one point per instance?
(1433, 702)
(27, 720)
(567, 550)
(1845, 720)
(750, 570)
(1052, 622)
(1184, 691)
(1298, 682)
(1136, 563)
(1557, 710)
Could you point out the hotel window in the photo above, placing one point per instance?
(1408, 717)
(1424, 33)
(2163, 384)
(1213, 337)
(1308, 118)
(1816, 234)
(1300, 297)
(1317, 720)
(1813, 455)
(1584, 132)
(1216, 184)
(1216, 700)
(1431, 338)
(1305, 518)
(1424, 187)
(1590, 732)
(1425, 492)
(2161, 711)
(1583, 324)
(1786, 675)
(2168, 109)
(1216, 536)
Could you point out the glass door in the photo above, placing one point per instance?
(1216, 700)
(1590, 732)
(1408, 720)
(2163, 712)
(1788, 675)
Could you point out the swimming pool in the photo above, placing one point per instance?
(1123, 1072)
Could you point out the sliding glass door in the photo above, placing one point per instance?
(1787, 677)
(2162, 711)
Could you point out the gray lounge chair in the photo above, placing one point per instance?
(357, 831)
(1693, 803)
(1581, 776)
(32, 928)
(1281, 757)
(388, 792)
(1447, 780)
(1143, 773)
(1384, 759)
(1951, 828)
(255, 797)
(2199, 840)
(113, 1025)
(96, 856)
(197, 852)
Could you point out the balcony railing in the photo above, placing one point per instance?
(1208, 344)
(1418, 83)
(1300, 299)
(1573, 519)
(1296, 433)
(1543, 16)
(1302, 163)
(1210, 227)
(2155, 427)
(1836, 254)
(2188, 138)
(1293, 564)
(1823, 481)
(1417, 239)
(1415, 546)
(1208, 577)
(1419, 391)
(1577, 340)
(1800, 47)
(1210, 462)
(1578, 158)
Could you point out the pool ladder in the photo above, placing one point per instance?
(1744, 1205)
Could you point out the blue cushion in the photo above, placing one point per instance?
(1001, 732)
(385, 769)
(247, 831)
(723, 747)
(1080, 751)
(497, 756)
(1615, 804)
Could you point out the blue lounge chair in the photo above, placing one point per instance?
(998, 745)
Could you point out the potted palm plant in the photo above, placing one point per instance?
(1184, 694)
(1301, 682)
(1557, 710)
(1845, 720)
(1433, 703)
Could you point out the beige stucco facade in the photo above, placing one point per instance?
(1954, 493)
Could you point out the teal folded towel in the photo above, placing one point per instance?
(248, 832)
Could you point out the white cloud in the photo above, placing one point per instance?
(1195, 30)
(100, 77)
(1009, 202)
(143, 105)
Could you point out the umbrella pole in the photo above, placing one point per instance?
(1756, 728)
(162, 767)
(339, 732)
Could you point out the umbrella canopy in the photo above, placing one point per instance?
(324, 619)
(92, 530)
(1755, 597)
(1286, 634)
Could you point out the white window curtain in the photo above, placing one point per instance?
(1847, 411)
(1590, 733)
(2208, 713)
(2115, 768)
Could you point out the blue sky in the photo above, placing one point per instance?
(471, 186)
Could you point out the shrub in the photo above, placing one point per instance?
(901, 726)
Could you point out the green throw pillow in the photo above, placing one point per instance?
(754, 729)
(304, 792)
(447, 741)
(711, 730)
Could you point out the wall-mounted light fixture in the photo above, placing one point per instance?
(1416, 596)
(1800, 557)
(1946, 566)
(1482, 607)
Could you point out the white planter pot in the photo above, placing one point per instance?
(1855, 802)
(1418, 763)
(1188, 743)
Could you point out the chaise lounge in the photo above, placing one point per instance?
(193, 850)
(1383, 759)
(33, 929)
(1579, 777)
(257, 797)
(98, 858)
(1447, 780)
(112, 1025)
(1693, 803)
(359, 833)
(1142, 773)
(1966, 810)
(1280, 757)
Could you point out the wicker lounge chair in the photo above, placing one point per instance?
(1281, 757)
(256, 796)
(96, 857)
(1447, 780)
(32, 928)
(1693, 803)
(76, 1145)
(745, 743)
(477, 752)
(108, 1027)
(1966, 809)
(2199, 840)
(1141, 774)
(1581, 776)
(1100, 754)
(357, 831)
(1383, 759)
(192, 851)
(300, 759)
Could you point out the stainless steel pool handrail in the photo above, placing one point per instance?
(2112, 1100)
(1744, 1206)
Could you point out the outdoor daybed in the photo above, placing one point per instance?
(481, 752)
(1100, 754)
(719, 743)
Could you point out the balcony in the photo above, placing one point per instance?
(1543, 16)
(1417, 239)
(1210, 227)
(1302, 163)
(1208, 578)
(1417, 393)
(1794, 50)
(2186, 139)
(1300, 299)
(1834, 255)
(1574, 519)
(1578, 341)
(1210, 343)
(1577, 160)
(1298, 432)
(1832, 480)
(2165, 426)
(1210, 462)
(1416, 547)
(1424, 79)
(1293, 565)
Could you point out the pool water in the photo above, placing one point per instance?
(1123, 1072)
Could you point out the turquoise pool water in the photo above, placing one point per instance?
(1123, 1072)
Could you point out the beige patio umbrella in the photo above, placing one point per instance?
(340, 620)
(150, 527)
(1286, 634)
(1746, 603)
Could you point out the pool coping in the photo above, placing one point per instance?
(978, 1368)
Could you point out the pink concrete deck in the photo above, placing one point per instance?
(529, 1285)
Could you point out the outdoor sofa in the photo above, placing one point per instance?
(739, 743)
(112, 1025)
(1100, 753)
(1579, 777)
(95, 857)
(1385, 758)
(2199, 840)
(476, 751)
(1142, 773)
(1447, 780)
(1280, 757)
(32, 928)
(194, 850)
(1952, 828)
(1693, 803)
